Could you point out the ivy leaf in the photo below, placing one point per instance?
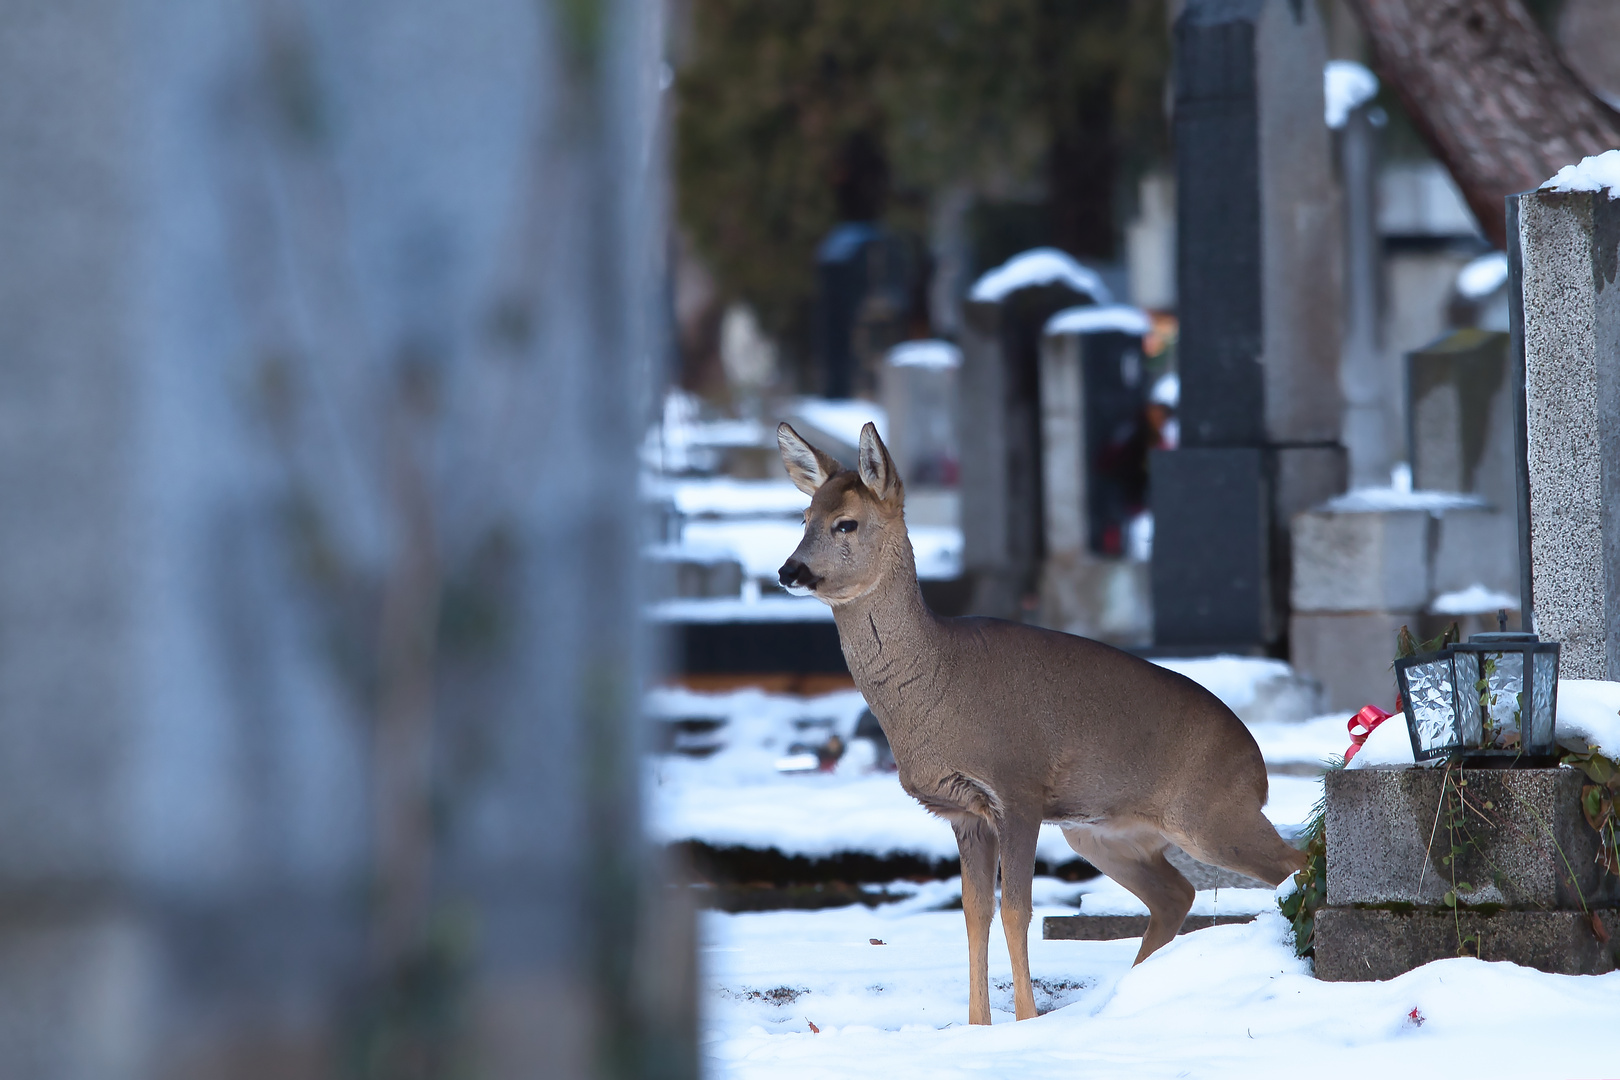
(1596, 805)
(1405, 645)
(1450, 899)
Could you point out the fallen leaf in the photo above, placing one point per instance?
(877, 941)
(812, 1024)
(1598, 928)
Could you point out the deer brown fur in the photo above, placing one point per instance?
(997, 727)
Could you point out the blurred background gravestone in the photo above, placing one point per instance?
(1002, 523)
(327, 338)
(918, 389)
(1259, 294)
(1097, 428)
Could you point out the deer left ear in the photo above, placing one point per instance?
(877, 467)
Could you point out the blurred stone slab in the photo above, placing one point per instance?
(1361, 561)
(1349, 653)
(1386, 837)
(1211, 510)
(1364, 944)
(1461, 416)
(1204, 876)
(1116, 927)
(1562, 247)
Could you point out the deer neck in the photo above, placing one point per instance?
(890, 639)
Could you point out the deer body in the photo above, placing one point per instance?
(997, 727)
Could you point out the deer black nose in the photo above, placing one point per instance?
(793, 573)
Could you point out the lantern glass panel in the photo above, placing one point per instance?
(1470, 691)
(1544, 692)
(1501, 699)
(1431, 701)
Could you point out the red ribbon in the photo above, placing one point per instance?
(1361, 725)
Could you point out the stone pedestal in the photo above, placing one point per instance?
(1565, 308)
(1259, 288)
(1527, 859)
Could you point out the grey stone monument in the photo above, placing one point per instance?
(1565, 316)
(1259, 288)
(308, 327)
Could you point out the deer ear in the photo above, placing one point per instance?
(807, 467)
(877, 467)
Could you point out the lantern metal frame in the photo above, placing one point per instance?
(1471, 707)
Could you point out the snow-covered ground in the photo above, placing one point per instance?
(886, 987)
(1227, 1001)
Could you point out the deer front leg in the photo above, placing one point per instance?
(1018, 836)
(976, 841)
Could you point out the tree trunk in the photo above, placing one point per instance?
(1489, 94)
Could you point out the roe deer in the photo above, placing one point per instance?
(997, 727)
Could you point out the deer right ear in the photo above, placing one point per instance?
(807, 467)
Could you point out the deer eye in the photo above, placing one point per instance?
(848, 525)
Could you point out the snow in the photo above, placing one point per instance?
(1227, 1001)
(738, 609)
(1598, 173)
(1345, 86)
(1099, 319)
(1253, 687)
(842, 418)
(938, 355)
(1038, 266)
(722, 495)
(1375, 500)
(1389, 744)
(761, 545)
(1589, 709)
(1474, 600)
(1166, 390)
(1483, 276)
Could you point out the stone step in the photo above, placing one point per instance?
(1365, 944)
(1115, 927)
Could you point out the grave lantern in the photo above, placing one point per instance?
(1493, 697)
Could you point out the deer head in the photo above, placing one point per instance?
(855, 525)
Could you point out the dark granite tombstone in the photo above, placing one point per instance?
(866, 279)
(1258, 229)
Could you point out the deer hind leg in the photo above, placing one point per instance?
(1134, 857)
(976, 841)
(1242, 840)
(1018, 840)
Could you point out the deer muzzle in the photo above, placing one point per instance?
(794, 572)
